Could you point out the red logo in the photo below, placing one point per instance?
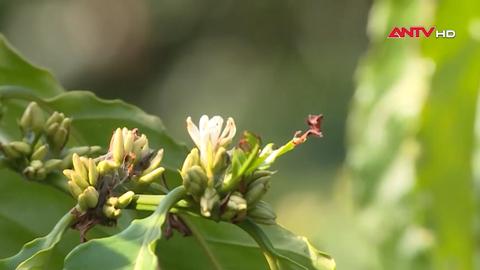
(419, 31)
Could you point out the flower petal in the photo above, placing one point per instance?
(193, 131)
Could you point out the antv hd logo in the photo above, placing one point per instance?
(418, 31)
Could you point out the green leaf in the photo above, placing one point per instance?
(277, 260)
(16, 71)
(95, 119)
(225, 246)
(35, 254)
(29, 210)
(134, 248)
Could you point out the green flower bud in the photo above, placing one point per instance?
(259, 174)
(40, 153)
(195, 180)
(32, 119)
(262, 213)
(84, 150)
(91, 196)
(82, 202)
(154, 162)
(79, 167)
(76, 178)
(113, 201)
(21, 147)
(111, 212)
(125, 199)
(74, 189)
(55, 118)
(237, 202)
(151, 176)
(220, 161)
(36, 164)
(60, 139)
(117, 146)
(192, 159)
(9, 152)
(51, 130)
(52, 164)
(209, 199)
(257, 189)
(92, 172)
(66, 123)
(105, 166)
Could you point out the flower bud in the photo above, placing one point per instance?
(117, 147)
(82, 202)
(220, 161)
(74, 189)
(105, 166)
(92, 172)
(195, 180)
(51, 130)
(125, 199)
(128, 141)
(192, 159)
(257, 189)
(151, 176)
(36, 164)
(208, 201)
(111, 212)
(113, 201)
(236, 206)
(79, 166)
(21, 147)
(52, 164)
(84, 150)
(91, 196)
(262, 213)
(32, 119)
(154, 162)
(55, 117)
(79, 180)
(40, 153)
(9, 152)
(60, 139)
(138, 146)
(66, 123)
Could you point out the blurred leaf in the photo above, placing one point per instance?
(16, 71)
(36, 254)
(445, 179)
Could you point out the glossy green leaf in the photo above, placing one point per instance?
(36, 254)
(225, 246)
(95, 119)
(134, 248)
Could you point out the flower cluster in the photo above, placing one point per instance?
(228, 184)
(105, 185)
(42, 149)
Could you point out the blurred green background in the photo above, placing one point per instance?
(393, 183)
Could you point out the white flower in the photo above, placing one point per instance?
(209, 137)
